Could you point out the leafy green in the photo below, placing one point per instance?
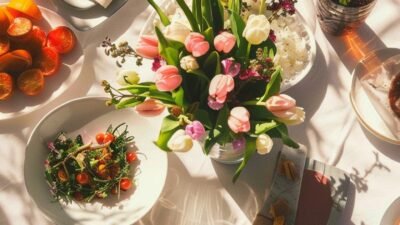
(249, 151)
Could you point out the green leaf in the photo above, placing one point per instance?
(220, 132)
(189, 15)
(274, 85)
(260, 113)
(217, 15)
(132, 102)
(281, 131)
(171, 55)
(169, 123)
(204, 117)
(209, 35)
(163, 139)
(212, 65)
(199, 74)
(264, 127)
(238, 26)
(196, 10)
(206, 13)
(249, 151)
(160, 95)
(164, 18)
(179, 97)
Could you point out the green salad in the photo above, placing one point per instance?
(80, 171)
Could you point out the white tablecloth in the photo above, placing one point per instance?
(200, 191)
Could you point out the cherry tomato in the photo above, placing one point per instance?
(6, 86)
(19, 28)
(131, 156)
(4, 45)
(62, 39)
(100, 138)
(108, 137)
(78, 196)
(31, 82)
(48, 61)
(125, 184)
(62, 175)
(82, 178)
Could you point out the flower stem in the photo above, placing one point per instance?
(262, 8)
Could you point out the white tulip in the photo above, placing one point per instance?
(257, 29)
(295, 116)
(189, 63)
(180, 142)
(177, 31)
(127, 77)
(264, 144)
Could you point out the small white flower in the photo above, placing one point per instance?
(127, 77)
(264, 144)
(257, 29)
(189, 63)
(180, 142)
(177, 31)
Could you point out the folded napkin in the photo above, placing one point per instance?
(377, 83)
(104, 3)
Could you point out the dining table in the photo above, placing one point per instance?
(199, 190)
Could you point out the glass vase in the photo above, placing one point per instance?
(337, 19)
(226, 153)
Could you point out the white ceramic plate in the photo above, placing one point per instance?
(168, 6)
(70, 69)
(392, 214)
(88, 116)
(366, 113)
(81, 4)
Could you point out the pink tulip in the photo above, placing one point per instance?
(220, 86)
(239, 120)
(147, 47)
(150, 107)
(224, 42)
(280, 102)
(284, 107)
(195, 130)
(196, 44)
(231, 67)
(168, 78)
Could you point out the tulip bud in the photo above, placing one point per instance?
(150, 107)
(257, 29)
(239, 120)
(127, 77)
(189, 63)
(180, 142)
(168, 78)
(147, 47)
(264, 144)
(224, 42)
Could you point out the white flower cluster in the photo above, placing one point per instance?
(293, 53)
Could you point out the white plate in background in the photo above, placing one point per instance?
(365, 111)
(55, 85)
(88, 116)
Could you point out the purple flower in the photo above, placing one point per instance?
(288, 6)
(213, 104)
(249, 73)
(157, 63)
(239, 143)
(230, 67)
(272, 36)
(195, 130)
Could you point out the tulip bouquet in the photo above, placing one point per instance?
(214, 72)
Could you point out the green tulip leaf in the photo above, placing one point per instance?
(249, 151)
(164, 18)
(189, 15)
(212, 65)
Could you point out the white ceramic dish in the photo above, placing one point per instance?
(392, 214)
(87, 116)
(307, 34)
(81, 4)
(70, 69)
(365, 111)
(85, 16)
